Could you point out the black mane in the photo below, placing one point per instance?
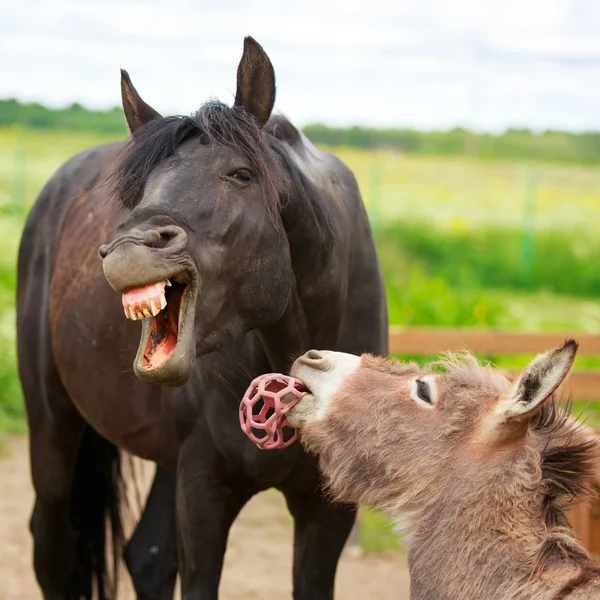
(214, 122)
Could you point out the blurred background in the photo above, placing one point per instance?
(473, 128)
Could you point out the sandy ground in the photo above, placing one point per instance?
(257, 565)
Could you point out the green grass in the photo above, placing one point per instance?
(36, 155)
(425, 291)
(499, 258)
(463, 193)
(377, 533)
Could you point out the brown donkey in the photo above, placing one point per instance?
(478, 469)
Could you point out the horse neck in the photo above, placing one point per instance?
(316, 302)
(314, 240)
(483, 545)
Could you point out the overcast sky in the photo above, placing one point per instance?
(418, 63)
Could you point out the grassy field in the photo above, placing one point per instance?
(462, 242)
(467, 242)
(463, 193)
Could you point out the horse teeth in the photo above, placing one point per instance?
(168, 282)
(145, 301)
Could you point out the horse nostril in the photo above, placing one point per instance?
(170, 236)
(152, 238)
(103, 250)
(313, 355)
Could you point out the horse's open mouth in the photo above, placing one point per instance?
(167, 311)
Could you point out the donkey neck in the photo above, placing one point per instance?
(470, 544)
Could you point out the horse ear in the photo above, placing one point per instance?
(255, 81)
(137, 112)
(510, 416)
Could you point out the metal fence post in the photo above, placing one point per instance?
(528, 239)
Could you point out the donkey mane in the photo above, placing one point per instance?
(568, 468)
(569, 457)
(464, 368)
(214, 122)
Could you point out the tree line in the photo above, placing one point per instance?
(74, 117)
(511, 144)
(520, 144)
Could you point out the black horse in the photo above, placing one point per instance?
(241, 246)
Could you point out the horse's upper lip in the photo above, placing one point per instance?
(131, 266)
(145, 256)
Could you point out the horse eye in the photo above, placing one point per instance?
(241, 175)
(423, 391)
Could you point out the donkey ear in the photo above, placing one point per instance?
(137, 112)
(511, 414)
(255, 82)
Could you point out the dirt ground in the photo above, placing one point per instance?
(258, 561)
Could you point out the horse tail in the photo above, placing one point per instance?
(96, 503)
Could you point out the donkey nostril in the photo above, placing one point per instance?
(152, 238)
(315, 360)
(103, 250)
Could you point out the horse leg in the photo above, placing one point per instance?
(151, 554)
(75, 476)
(53, 452)
(321, 529)
(206, 509)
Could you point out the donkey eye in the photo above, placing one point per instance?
(423, 391)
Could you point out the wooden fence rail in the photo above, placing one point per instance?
(583, 384)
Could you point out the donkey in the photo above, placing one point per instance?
(478, 469)
(237, 246)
